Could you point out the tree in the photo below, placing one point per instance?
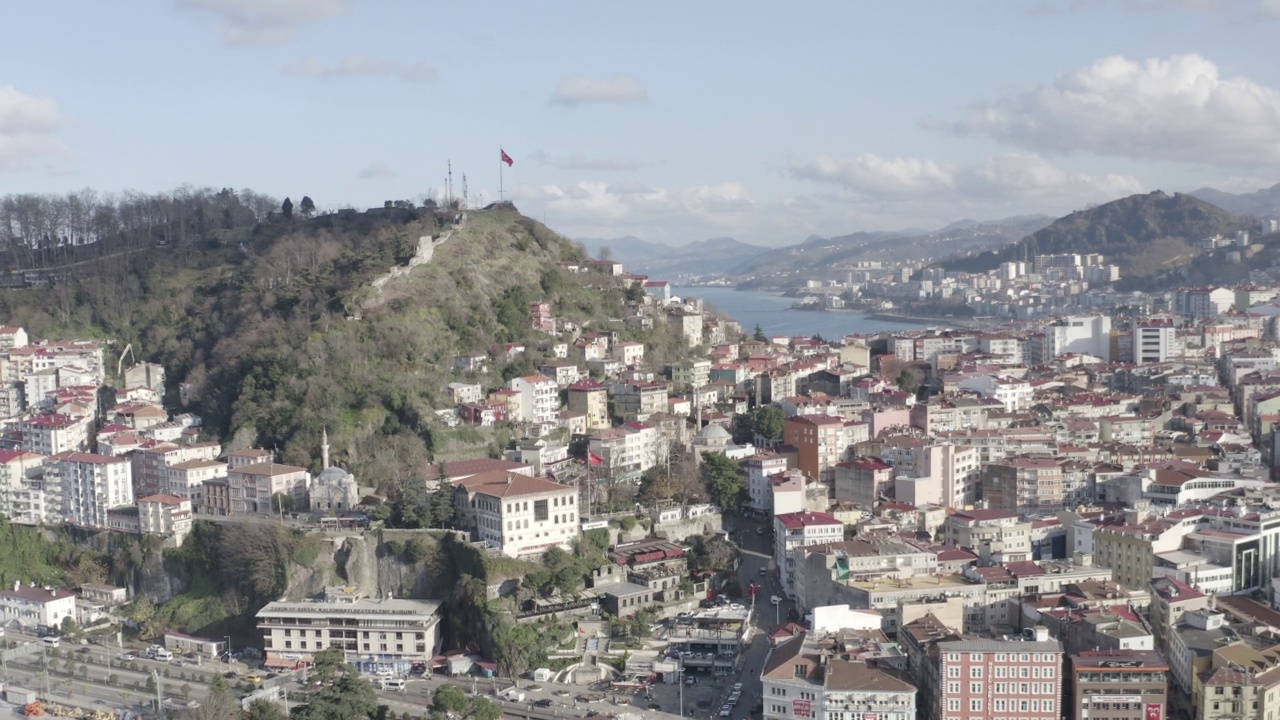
(485, 709)
(348, 695)
(282, 502)
(517, 648)
(450, 698)
(264, 710)
(286, 208)
(68, 625)
(767, 422)
(759, 334)
(307, 207)
(725, 480)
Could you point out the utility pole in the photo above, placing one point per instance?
(155, 675)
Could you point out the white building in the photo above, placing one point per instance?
(389, 634)
(36, 607)
(1153, 341)
(1013, 393)
(89, 485)
(518, 514)
(539, 398)
(166, 515)
(628, 449)
(17, 470)
(760, 470)
(1081, 335)
(187, 479)
(793, 530)
(804, 677)
(53, 433)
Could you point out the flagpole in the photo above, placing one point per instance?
(500, 163)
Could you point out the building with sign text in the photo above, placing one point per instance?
(1118, 685)
(836, 676)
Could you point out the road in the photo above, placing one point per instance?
(757, 554)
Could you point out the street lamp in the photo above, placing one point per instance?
(228, 655)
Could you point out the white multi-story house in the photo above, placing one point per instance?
(17, 469)
(1154, 341)
(539, 398)
(518, 514)
(1081, 335)
(628, 449)
(166, 515)
(53, 433)
(1013, 393)
(36, 607)
(760, 470)
(804, 677)
(793, 530)
(89, 485)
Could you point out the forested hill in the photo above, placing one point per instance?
(1143, 234)
(277, 330)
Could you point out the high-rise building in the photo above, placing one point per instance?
(997, 679)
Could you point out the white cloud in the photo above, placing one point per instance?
(352, 66)
(576, 91)
(28, 129)
(587, 163)
(1002, 179)
(376, 169)
(1178, 110)
(263, 22)
(598, 209)
(874, 176)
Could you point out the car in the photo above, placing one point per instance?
(655, 706)
(543, 703)
(737, 687)
(688, 680)
(775, 599)
(83, 650)
(726, 711)
(764, 570)
(229, 675)
(734, 698)
(128, 657)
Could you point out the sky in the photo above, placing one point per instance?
(669, 121)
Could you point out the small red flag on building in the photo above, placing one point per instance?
(594, 459)
(506, 158)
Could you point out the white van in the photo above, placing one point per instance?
(396, 684)
(163, 655)
(51, 641)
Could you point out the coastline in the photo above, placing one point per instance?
(918, 320)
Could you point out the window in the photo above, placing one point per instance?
(540, 511)
(975, 688)
(953, 705)
(975, 705)
(953, 671)
(953, 688)
(975, 671)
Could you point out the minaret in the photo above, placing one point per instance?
(324, 449)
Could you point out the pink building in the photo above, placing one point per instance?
(999, 679)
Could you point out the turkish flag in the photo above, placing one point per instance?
(594, 459)
(506, 158)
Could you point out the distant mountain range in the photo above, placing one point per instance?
(704, 258)
(1143, 234)
(1262, 204)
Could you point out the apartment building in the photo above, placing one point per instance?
(863, 481)
(54, 433)
(390, 634)
(1118, 685)
(637, 401)
(165, 515)
(1024, 484)
(592, 399)
(797, 529)
(18, 469)
(253, 488)
(995, 535)
(539, 398)
(32, 607)
(809, 677)
(819, 442)
(186, 479)
(627, 450)
(87, 486)
(990, 679)
(760, 470)
(1154, 341)
(152, 461)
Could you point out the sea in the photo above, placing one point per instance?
(772, 311)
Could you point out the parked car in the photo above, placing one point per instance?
(543, 703)
(726, 711)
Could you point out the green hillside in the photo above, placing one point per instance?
(279, 334)
(1144, 234)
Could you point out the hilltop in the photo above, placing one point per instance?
(278, 331)
(1144, 234)
(1263, 203)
